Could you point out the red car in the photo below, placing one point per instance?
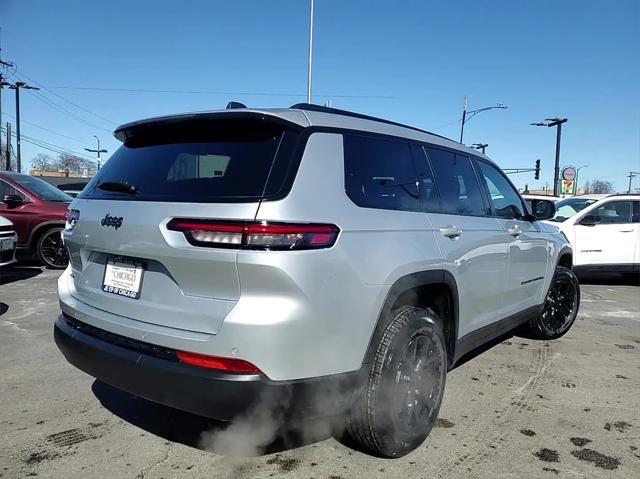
(37, 211)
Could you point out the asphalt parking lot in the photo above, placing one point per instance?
(566, 408)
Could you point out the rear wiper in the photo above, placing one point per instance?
(119, 186)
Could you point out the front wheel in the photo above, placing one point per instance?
(560, 307)
(398, 406)
(51, 251)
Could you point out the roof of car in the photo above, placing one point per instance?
(306, 115)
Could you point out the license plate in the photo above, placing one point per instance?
(123, 277)
(6, 244)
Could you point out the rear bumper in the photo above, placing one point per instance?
(200, 391)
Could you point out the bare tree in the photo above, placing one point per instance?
(65, 162)
(43, 162)
(73, 164)
(598, 187)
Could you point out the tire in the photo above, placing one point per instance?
(560, 307)
(51, 251)
(394, 412)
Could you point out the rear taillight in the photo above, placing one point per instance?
(255, 235)
(229, 365)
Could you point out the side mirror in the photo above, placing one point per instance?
(543, 209)
(12, 200)
(590, 220)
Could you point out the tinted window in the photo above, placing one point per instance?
(213, 161)
(505, 201)
(41, 188)
(614, 212)
(380, 173)
(635, 216)
(457, 183)
(428, 190)
(6, 189)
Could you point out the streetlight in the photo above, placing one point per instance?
(16, 86)
(549, 122)
(98, 151)
(467, 115)
(480, 146)
(577, 173)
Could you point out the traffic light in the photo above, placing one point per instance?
(537, 175)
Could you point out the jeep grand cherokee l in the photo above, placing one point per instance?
(308, 253)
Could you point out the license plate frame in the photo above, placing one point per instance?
(123, 286)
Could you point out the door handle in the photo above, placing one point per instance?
(515, 231)
(450, 231)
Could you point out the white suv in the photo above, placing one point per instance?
(338, 262)
(604, 232)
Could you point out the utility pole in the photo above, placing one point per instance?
(310, 53)
(8, 145)
(97, 151)
(16, 86)
(3, 83)
(631, 175)
(549, 122)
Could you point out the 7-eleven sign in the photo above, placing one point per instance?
(567, 186)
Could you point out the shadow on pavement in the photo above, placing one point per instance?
(609, 279)
(179, 426)
(4, 307)
(18, 273)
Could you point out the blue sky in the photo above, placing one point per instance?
(412, 61)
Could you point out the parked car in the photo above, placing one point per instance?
(529, 198)
(604, 232)
(568, 207)
(73, 189)
(310, 260)
(37, 211)
(8, 241)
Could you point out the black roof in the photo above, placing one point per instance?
(337, 111)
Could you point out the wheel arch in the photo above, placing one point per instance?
(39, 230)
(434, 289)
(565, 258)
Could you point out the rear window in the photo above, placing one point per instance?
(41, 188)
(197, 161)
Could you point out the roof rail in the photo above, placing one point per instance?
(336, 111)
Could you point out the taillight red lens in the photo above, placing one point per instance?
(229, 365)
(256, 235)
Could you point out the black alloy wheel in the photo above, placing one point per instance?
(51, 250)
(560, 308)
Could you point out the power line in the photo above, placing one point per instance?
(47, 146)
(63, 98)
(48, 130)
(66, 112)
(214, 92)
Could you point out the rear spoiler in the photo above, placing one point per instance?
(130, 130)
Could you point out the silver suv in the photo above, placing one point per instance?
(340, 261)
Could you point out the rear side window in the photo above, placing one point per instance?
(457, 183)
(614, 212)
(380, 173)
(214, 161)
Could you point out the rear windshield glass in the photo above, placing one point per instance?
(191, 162)
(41, 188)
